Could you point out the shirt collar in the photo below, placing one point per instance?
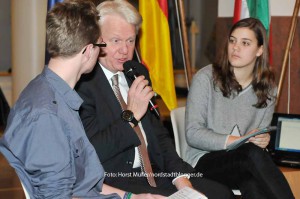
(70, 96)
(110, 74)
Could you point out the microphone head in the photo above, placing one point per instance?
(129, 68)
(130, 64)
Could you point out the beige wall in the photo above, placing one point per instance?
(28, 42)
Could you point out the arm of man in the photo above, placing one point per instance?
(173, 164)
(101, 116)
(45, 152)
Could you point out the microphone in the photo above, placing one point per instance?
(129, 71)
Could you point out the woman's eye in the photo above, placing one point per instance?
(231, 41)
(245, 43)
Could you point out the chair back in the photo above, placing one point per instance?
(178, 124)
(25, 192)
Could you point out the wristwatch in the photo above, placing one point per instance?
(128, 116)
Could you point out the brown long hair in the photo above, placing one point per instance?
(263, 77)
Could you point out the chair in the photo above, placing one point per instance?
(25, 192)
(177, 120)
(178, 124)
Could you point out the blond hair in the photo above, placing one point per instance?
(121, 8)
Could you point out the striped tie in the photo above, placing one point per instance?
(143, 153)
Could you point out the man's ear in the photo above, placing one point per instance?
(87, 50)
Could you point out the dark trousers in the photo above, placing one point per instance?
(213, 190)
(248, 168)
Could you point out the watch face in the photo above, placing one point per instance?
(127, 115)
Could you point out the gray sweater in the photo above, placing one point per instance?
(210, 117)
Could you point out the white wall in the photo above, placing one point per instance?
(277, 7)
(28, 42)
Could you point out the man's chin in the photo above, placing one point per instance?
(120, 67)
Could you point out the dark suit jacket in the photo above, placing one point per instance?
(114, 139)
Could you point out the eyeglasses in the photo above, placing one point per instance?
(101, 45)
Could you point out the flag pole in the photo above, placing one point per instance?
(288, 48)
(194, 31)
(184, 42)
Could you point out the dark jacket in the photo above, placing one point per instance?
(114, 139)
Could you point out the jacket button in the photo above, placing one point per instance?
(129, 162)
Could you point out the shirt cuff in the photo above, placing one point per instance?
(181, 176)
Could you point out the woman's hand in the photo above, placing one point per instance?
(261, 140)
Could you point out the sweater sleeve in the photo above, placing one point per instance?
(198, 135)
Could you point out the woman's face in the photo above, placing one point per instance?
(243, 48)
